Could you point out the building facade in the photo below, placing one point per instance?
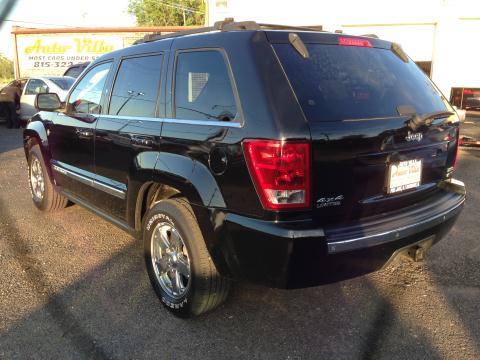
(441, 36)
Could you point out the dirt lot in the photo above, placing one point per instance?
(74, 286)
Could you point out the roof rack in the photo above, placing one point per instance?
(227, 25)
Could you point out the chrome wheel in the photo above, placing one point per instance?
(170, 260)
(37, 181)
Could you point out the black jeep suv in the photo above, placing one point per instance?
(285, 156)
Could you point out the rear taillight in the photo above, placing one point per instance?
(348, 41)
(280, 171)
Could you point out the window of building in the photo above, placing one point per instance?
(203, 90)
(135, 91)
(36, 86)
(86, 96)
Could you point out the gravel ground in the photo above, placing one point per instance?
(74, 286)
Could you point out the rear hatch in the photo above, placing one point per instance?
(382, 137)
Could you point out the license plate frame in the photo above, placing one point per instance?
(404, 175)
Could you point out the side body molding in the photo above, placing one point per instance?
(191, 177)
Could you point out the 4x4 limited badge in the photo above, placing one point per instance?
(329, 201)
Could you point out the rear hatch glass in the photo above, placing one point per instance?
(351, 82)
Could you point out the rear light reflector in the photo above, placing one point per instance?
(280, 171)
(348, 41)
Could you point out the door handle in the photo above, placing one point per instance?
(141, 141)
(83, 133)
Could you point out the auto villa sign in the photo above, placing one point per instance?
(43, 52)
(52, 54)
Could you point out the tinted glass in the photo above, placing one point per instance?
(136, 87)
(85, 98)
(202, 87)
(74, 71)
(349, 82)
(63, 83)
(36, 86)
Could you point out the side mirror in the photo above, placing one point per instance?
(48, 102)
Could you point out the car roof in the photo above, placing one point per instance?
(273, 33)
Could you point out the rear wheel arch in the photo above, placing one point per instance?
(35, 134)
(153, 192)
(149, 194)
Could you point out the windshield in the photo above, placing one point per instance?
(64, 83)
(350, 82)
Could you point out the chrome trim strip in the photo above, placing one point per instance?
(90, 182)
(232, 124)
(387, 236)
(73, 175)
(109, 189)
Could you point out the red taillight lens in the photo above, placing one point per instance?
(348, 41)
(280, 171)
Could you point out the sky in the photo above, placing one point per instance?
(63, 13)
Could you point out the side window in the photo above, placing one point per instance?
(36, 86)
(136, 87)
(202, 87)
(85, 98)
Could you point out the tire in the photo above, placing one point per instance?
(205, 288)
(46, 197)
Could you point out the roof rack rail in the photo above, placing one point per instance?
(226, 25)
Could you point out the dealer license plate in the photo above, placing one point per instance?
(404, 175)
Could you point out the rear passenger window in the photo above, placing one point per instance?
(202, 87)
(136, 87)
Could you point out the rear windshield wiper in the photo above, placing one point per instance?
(416, 121)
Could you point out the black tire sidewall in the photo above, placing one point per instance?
(166, 211)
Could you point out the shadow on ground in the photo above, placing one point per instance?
(10, 139)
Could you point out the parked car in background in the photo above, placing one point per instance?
(471, 103)
(37, 85)
(76, 69)
(22, 94)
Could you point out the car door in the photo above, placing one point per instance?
(71, 133)
(27, 101)
(130, 128)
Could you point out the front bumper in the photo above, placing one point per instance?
(300, 254)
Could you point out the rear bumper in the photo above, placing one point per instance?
(300, 253)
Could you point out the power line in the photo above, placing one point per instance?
(180, 7)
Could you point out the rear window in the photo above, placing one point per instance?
(350, 82)
(64, 83)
